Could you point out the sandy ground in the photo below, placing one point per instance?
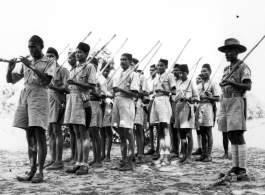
(195, 178)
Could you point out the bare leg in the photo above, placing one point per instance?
(97, 146)
(32, 149)
(103, 142)
(128, 134)
(57, 131)
(52, 144)
(85, 143)
(79, 144)
(42, 148)
(190, 145)
(109, 142)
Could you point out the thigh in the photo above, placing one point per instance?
(222, 118)
(21, 119)
(240, 137)
(115, 118)
(127, 113)
(182, 133)
(232, 137)
(235, 114)
(188, 132)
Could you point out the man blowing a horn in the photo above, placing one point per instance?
(32, 110)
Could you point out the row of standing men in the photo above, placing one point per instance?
(96, 104)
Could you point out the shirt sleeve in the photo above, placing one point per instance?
(103, 85)
(65, 77)
(49, 69)
(171, 81)
(245, 73)
(215, 90)
(91, 74)
(17, 74)
(135, 82)
(194, 90)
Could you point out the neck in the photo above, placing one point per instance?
(184, 79)
(124, 69)
(162, 72)
(82, 61)
(234, 61)
(39, 57)
(206, 79)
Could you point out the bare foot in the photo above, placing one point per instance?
(126, 167)
(187, 161)
(106, 159)
(68, 159)
(91, 162)
(97, 165)
(117, 166)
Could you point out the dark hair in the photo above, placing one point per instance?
(104, 63)
(153, 66)
(176, 66)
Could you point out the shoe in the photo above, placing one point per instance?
(241, 172)
(207, 159)
(26, 177)
(139, 159)
(233, 170)
(173, 155)
(83, 170)
(156, 156)
(197, 152)
(73, 169)
(68, 159)
(38, 178)
(126, 167)
(55, 166)
(166, 161)
(149, 152)
(49, 163)
(201, 158)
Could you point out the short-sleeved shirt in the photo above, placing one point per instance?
(242, 73)
(131, 83)
(181, 88)
(101, 85)
(174, 97)
(167, 85)
(151, 86)
(86, 75)
(213, 88)
(45, 65)
(61, 76)
(143, 84)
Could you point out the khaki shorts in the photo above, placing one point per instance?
(182, 111)
(204, 115)
(161, 111)
(231, 115)
(32, 109)
(96, 117)
(74, 111)
(107, 116)
(123, 112)
(139, 116)
(54, 107)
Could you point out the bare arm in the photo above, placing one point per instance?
(245, 86)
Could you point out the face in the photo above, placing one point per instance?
(80, 55)
(161, 67)
(205, 73)
(152, 70)
(125, 63)
(35, 49)
(198, 80)
(106, 72)
(51, 55)
(183, 75)
(231, 54)
(176, 72)
(71, 59)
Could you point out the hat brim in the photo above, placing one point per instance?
(241, 48)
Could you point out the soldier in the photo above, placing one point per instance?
(96, 96)
(161, 111)
(206, 112)
(175, 134)
(199, 137)
(140, 114)
(32, 110)
(82, 79)
(152, 151)
(186, 95)
(73, 158)
(106, 130)
(56, 105)
(232, 116)
(124, 110)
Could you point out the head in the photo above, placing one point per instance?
(71, 59)
(126, 60)
(162, 66)
(153, 70)
(198, 79)
(176, 70)
(82, 52)
(206, 71)
(231, 54)
(134, 62)
(52, 53)
(183, 71)
(106, 70)
(35, 46)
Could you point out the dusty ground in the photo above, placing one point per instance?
(146, 179)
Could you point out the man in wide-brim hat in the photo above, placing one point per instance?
(232, 116)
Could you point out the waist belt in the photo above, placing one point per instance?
(94, 99)
(231, 95)
(33, 85)
(160, 95)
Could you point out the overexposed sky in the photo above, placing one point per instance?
(206, 23)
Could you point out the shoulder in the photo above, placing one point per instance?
(226, 68)
(64, 70)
